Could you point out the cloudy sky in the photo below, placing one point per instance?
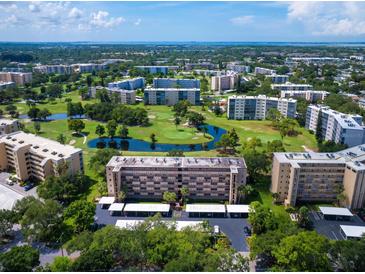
(182, 21)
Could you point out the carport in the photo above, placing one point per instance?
(206, 210)
(105, 202)
(179, 225)
(116, 209)
(336, 213)
(146, 210)
(351, 232)
(238, 211)
(128, 224)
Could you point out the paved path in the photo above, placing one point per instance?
(307, 149)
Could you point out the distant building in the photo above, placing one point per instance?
(290, 86)
(200, 65)
(31, 156)
(225, 82)
(318, 177)
(166, 91)
(308, 95)
(157, 69)
(257, 107)
(278, 79)
(84, 68)
(264, 71)
(8, 126)
(19, 78)
(336, 126)
(57, 69)
(126, 89)
(149, 177)
(5, 85)
(238, 68)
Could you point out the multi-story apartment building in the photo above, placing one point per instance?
(157, 69)
(291, 86)
(175, 83)
(257, 107)
(320, 177)
(309, 95)
(336, 126)
(264, 71)
(224, 82)
(170, 91)
(19, 78)
(129, 84)
(278, 79)
(31, 156)
(200, 65)
(5, 85)
(8, 126)
(238, 68)
(127, 97)
(57, 69)
(149, 177)
(82, 68)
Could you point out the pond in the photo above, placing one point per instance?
(140, 145)
(56, 116)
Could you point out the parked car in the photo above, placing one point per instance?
(216, 229)
(9, 182)
(247, 231)
(28, 186)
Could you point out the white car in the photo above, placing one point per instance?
(216, 229)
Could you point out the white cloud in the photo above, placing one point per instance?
(330, 18)
(242, 20)
(101, 19)
(55, 16)
(75, 13)
(138, 22)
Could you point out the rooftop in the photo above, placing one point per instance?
(262, 97)
(6, 121)
(238, 208)
(339, 211)
(116, 206)
(353, 231)
(39, 145)
(106, 200)
(205, 208)
(197, 162)
(148, 207)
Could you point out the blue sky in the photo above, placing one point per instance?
(182, 21)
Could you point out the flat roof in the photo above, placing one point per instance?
(180, 225)
(116, 207)
(8, 197)
(353, 230)
(128, 223)
(237, 208)
(135, 207)
(106, 200)
(205, 208)
(340, 211)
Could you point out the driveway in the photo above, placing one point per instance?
(232, 227)
(16, 187)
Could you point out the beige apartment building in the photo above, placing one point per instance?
(19, 78)
(320, 177)
(150, 177)
(31, 156)
(8, 126)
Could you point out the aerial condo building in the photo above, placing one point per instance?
(150, 177)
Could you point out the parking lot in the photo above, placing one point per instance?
(331, 229)
(232, 227)
(16, 187)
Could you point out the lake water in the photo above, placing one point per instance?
(140, 145)
(56, 116)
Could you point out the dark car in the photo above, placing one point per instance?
(28, 187)
(247, 231)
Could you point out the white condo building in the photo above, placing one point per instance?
(309, 95)
(257, 107)
(264, 71)
(224, 82)
(278, 79)
(336, 126)
(291, 86)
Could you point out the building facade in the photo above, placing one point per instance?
(31, 156)
(225, 82)
(150, 177)
(335, 126)
(320, 177)
(157, 69)
(126, 97)
(308, 95)
(57, 69)
(264, 71)
(291, 86)
(278, 79)
(5, 85)
(169, 92)
(238, 68)
(8, 126)
(257, 107)
(19, 78)
(129, 84)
